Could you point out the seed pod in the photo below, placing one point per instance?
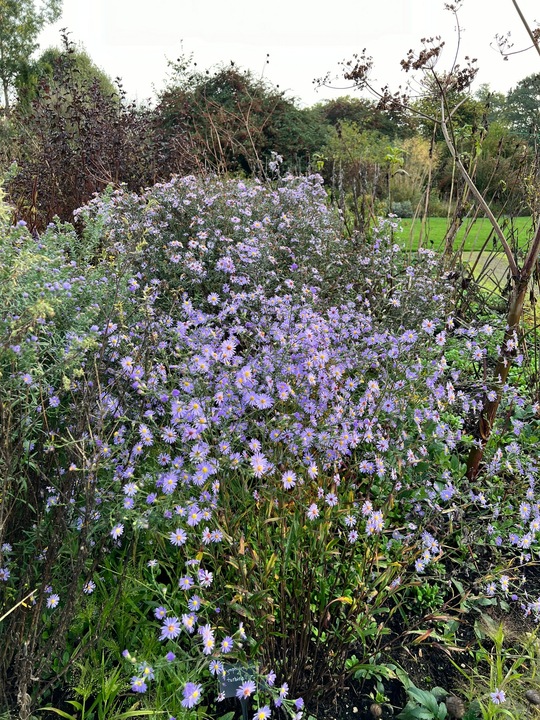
(376, 710)
(455, 706)
(533, 697)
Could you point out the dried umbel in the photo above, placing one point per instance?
(455, 706)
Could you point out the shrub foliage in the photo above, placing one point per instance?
(232, 434)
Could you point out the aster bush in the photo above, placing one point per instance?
(234, 435)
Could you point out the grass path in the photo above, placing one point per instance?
(497, 269)
(472, 235)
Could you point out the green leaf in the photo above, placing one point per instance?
(241, 610)
(58, 712)
(76, 704)
(422, 697)
(426, 714)
(137, 713)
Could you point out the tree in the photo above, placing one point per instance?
(237, 120)
(354, 170)
(365, 114)
(523, 108)
(20, 24)
(493, 103)
(41, 71)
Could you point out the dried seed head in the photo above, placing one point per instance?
(533, 697)
(455, 706)
(376, 710)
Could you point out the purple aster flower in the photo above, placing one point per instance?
(205, 578)
(259, 464)
(208, 643)
(146, 671)
(130, 489)
(186, 582)
(271, 678)
(53, 600)
(375, 523)
(262, 713)
(127, 363)
(448, 492)
(215, 667)
(331, 499)
(227, 644)
(263, 401)
(170, 629)
(117, 531)
(194, 516)
(146, 435)
(170, 656)
(245, 690)
(192, 694)
(189, 622)
(207, 536)
(138, 685)
(498, 696)
(168, 482)
(169, 435)
(178, 537)
(89, 587)
(288, 479)
(195, 603)
(4, 574)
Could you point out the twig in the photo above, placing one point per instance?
(527, 27)
(21, 602)
(478, 195)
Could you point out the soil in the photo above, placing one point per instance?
(428, 666)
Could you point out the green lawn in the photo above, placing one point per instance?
(474, 234)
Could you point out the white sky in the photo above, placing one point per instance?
(304, 38)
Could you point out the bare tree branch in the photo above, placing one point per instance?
(478, 195)
(527, 26)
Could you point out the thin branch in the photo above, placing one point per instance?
(527, 27)
(478, 195)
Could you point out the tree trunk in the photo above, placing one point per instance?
(6, 97)
(504, 363)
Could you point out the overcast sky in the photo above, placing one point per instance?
(304, 38)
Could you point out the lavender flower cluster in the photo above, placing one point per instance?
(226, 366)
